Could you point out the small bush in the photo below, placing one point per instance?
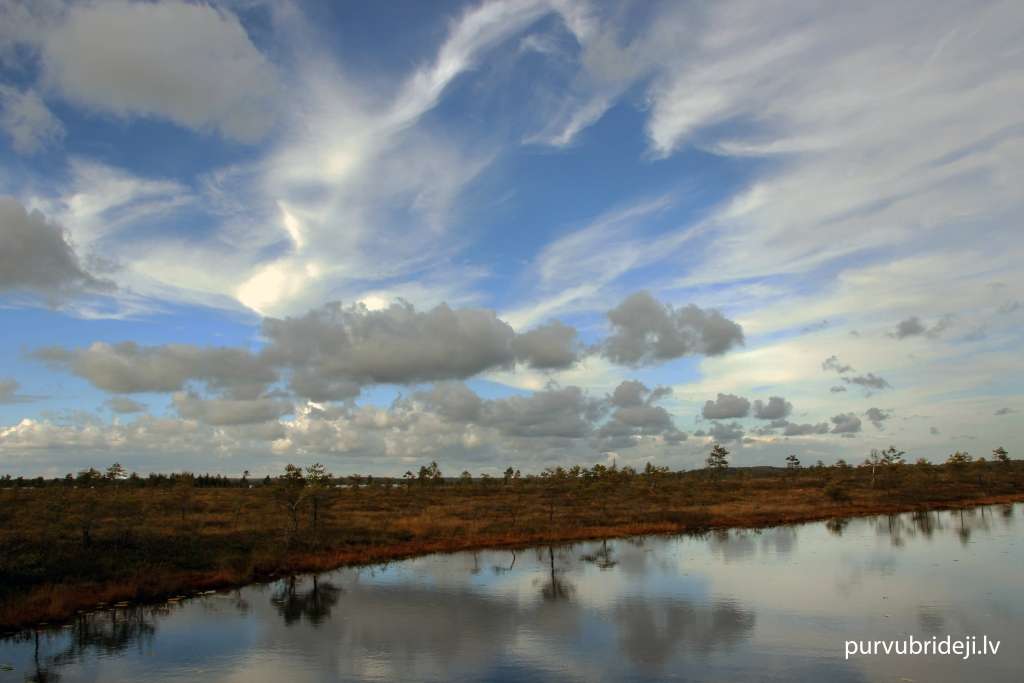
(836, 491)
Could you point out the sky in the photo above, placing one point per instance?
(236, 235)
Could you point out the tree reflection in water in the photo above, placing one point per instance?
(602, 558)
(926, 522)
(556, 588)
(837, 525)
(107, 633)
(499, 570)
(314, 605)
(484, 612)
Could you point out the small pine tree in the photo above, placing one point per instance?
(959, 459)
(891, 456)
(792, 462)
(1001, 455)
(718, 459)
(430, 473)
(317, 474)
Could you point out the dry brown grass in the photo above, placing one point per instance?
(67, 549)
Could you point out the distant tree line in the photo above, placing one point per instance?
(716, 466)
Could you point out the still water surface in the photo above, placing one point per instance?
(772, 604)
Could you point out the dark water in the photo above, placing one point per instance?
(775, 604)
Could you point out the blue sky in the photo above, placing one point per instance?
(235, 235)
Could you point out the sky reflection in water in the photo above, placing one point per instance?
(730, 605)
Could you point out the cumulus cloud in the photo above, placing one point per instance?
(722, 432)
(775, 409)
(28, 122)
(220, 411)
(8, 387)
(127, 367)
(913, 327)
(86, 441)
(334, 351)
(635, 415)
(9, 392)
(878, 416)
(632, 392)
(36, 256)
(793, 429)
(397, 344)
(868, 381)
(726, 406)
(646, 331)
(845, 423)
(191, 64)
(454, 401)
(124, 405)
(548, 347)
(556, 412)
(833, 363)
(649, 419)
(561, 413)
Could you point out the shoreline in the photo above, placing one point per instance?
(55, 604)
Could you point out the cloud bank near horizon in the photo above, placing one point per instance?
(563, 231)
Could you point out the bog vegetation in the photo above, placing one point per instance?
(108, 536)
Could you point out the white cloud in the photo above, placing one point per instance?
(27, 120)
(36, 256)
(897, 128)
(357, 189)
(880, 150)
(191, 64)
(103, 201)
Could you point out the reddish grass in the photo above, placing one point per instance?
(149, 544)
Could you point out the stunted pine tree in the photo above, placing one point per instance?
(317, 479)
(430, 473)
(116, 472)
(291, 493)
(718, 459)
(891, 456)
(1001, 455)
(959, 459)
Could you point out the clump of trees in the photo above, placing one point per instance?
(296, 490)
